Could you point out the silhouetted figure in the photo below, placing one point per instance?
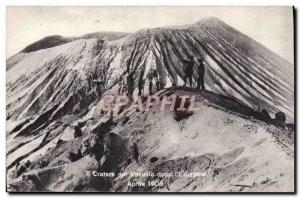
(136, 152)
(201, 72)
(156, 77)
(189, 71)
(141, 86)
(150, 78)
(123, 90)
(150, 85)
(161, 83)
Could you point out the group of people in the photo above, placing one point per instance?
(154, 79)
(153, 76)
(189, 72)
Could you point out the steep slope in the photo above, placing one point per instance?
(236, 65)
(233, 152)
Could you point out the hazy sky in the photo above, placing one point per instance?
(271, 26)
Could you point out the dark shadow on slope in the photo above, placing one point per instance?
(56, 40)
(47, 42)
(231, 104)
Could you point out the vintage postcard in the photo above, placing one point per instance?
(150, 99)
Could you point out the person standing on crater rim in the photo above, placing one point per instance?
(156, 79)
(141, 85)
(152, 75)
(188, 72)
(201, 72)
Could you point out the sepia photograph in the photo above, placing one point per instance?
(150, 99)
